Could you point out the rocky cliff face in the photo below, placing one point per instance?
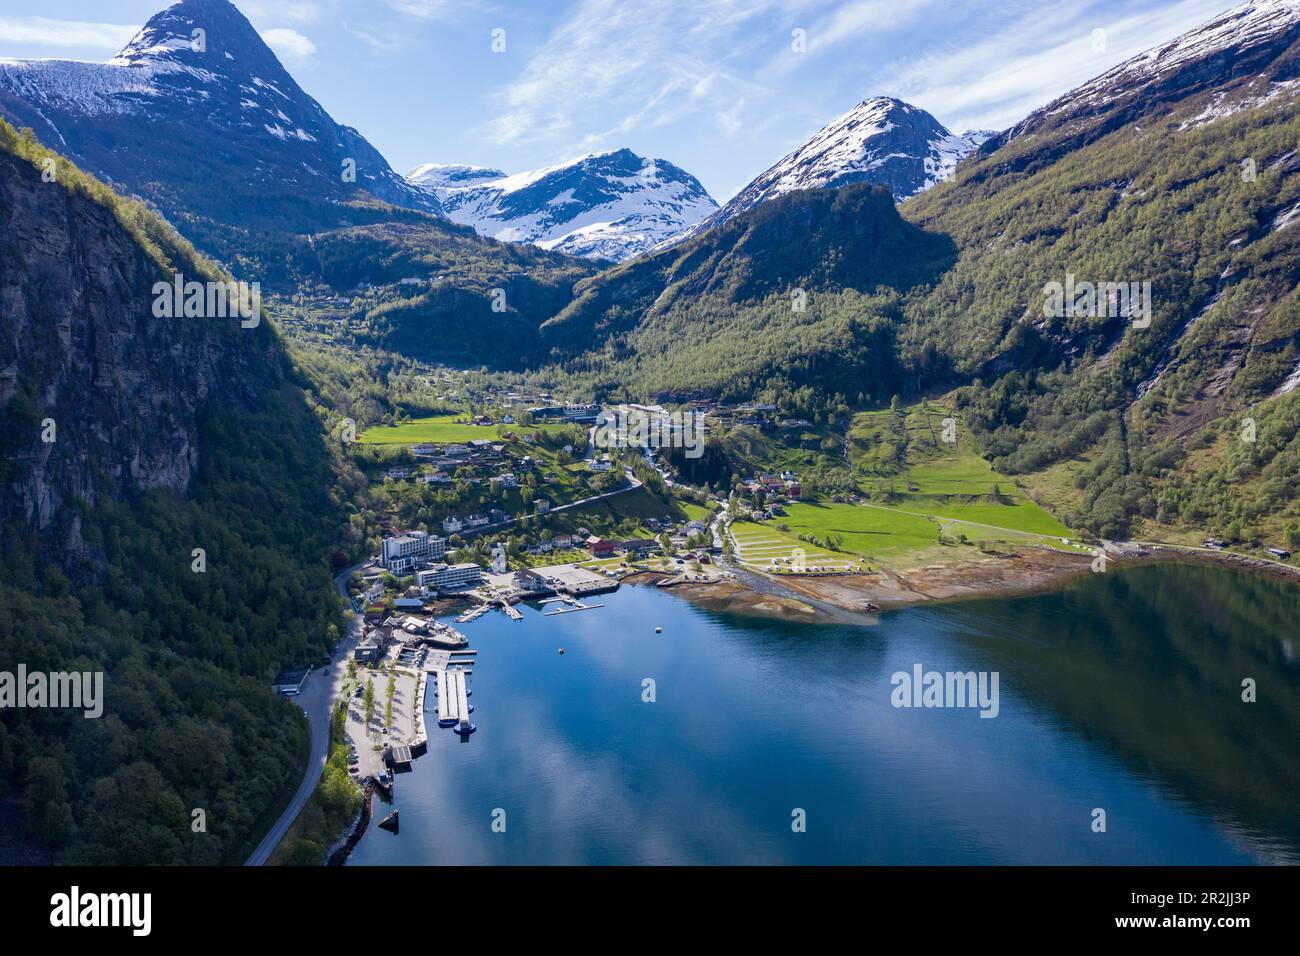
(84, 361)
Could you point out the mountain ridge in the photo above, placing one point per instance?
(881, 140)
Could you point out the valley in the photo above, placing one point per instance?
(911, 445)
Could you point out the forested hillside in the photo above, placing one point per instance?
(172, 435)
(806, 289)
(1182, 175)
(1198, 200)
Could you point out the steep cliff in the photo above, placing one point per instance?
(101, 395)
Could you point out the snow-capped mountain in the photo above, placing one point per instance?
(881, 140)
(610, 205)
(198, 115)
(1235, 55)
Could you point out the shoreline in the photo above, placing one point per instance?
(868, 595)
(1239, 562)
(337, 854)
(1030, 571)
(731, 596)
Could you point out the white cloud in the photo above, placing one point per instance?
(424, 9)
(294, 11)
(378, 42)
(66, 33)
(849, 21)
(612, 68)
(1001, 78)
(290, 46)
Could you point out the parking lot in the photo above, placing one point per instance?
(407, 720)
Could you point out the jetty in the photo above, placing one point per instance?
(474, 613)
(453, 700)
(574, 605)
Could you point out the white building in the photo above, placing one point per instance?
(449, 577)
(452, 525)
(408, 550)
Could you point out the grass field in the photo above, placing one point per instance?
(903, 461)
(696, 512)
(929, 498)
(766, 547)
(965, 486)
(443, 428)
(636, 505)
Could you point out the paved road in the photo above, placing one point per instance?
(634, 483)
(317, 700)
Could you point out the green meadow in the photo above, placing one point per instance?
(928, 498)
(444, 428)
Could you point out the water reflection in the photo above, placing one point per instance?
(1122, 692)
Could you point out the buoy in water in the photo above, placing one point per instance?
(659, 630)
(561, 651)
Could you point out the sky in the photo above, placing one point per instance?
(721, 88)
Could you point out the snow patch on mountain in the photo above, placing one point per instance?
(197, 87)
(881, 140)
(94, 89)
(1240, 28)
(611, 205)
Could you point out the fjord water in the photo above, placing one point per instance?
(1121, 692)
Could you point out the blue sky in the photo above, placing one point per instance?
(715, 87)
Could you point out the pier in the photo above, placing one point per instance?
(474, 613)
(574, 605)
(453, 698)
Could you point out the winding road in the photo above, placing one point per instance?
(317, 701)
